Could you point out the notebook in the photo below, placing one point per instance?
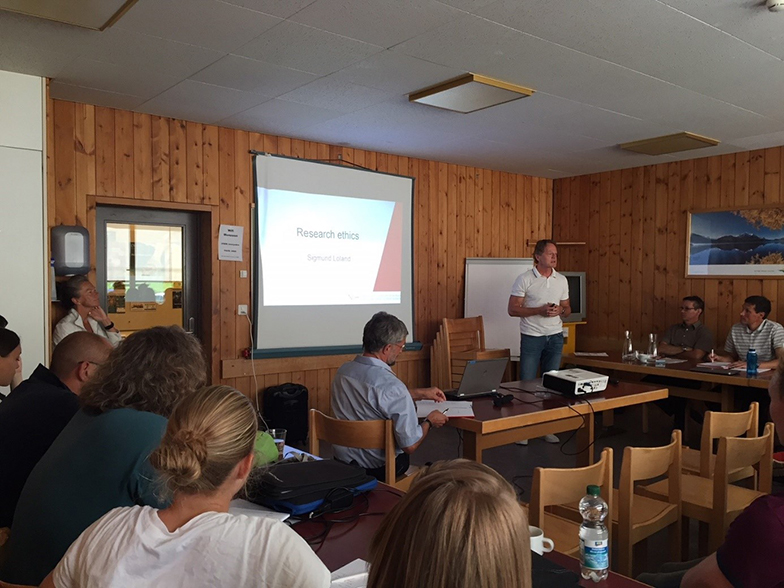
(480, 378)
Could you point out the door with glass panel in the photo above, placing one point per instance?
(147, 267)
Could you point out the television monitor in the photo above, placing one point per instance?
(576, 296)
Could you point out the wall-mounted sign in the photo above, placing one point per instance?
(230, 243)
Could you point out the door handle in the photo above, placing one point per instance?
(191, 324)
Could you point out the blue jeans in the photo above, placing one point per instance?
(536, 352)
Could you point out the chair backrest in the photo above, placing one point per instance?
(359, 434)
(466, 334)
(645, 463)
(554, 486)
(725, 424)
(741, 452)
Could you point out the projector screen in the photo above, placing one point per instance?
(333, 247)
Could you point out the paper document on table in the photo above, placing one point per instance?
(452, 409)
(351, 575)
(714, 364)
(590, 354)
(239, 506)
(669, 360)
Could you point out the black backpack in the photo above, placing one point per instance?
(286, 407)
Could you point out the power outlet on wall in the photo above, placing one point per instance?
(242, 310)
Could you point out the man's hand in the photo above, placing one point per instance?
(437, 418)
(554, 310)
(738, 365)
(433, 393)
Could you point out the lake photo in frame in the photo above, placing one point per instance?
(735, 243)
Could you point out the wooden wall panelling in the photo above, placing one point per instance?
(654, 202)
(178, 179)
(123, 154)
(123, 157)
(142, 156)
(159, 153)
(227, 216)
(242, 197)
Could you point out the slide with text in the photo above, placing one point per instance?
(320, 249)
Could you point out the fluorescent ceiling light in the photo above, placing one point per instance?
(89, 14)
(670, 144)
(469, 93)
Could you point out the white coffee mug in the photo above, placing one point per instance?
(539, 543)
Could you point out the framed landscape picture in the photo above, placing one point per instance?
(743, 242)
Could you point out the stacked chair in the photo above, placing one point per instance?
(457, 342)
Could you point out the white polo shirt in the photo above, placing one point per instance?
(537, 291)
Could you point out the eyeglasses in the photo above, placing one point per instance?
(688, 308)
(402, 346)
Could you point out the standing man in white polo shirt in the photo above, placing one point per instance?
(540, 297)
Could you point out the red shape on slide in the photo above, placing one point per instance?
(391, 266)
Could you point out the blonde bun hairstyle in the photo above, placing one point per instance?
(208, 434)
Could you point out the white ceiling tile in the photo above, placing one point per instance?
(242, 73)
(695, 56)
(307, 49)
(554, 69)
(153, 53)
(60, 91)
(748, 20)
(220, 26)
(330, 93)
(396, 72)
(280, 117)
(201, 102)
(380, 23)
(281, 8)
(761, 141)
(123, 79)
(36, 61)
(467, 5)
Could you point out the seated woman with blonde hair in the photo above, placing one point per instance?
(204, 459)
(460, 526)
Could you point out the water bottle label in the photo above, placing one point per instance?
(595, 554)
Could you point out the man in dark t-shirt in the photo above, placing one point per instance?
(38, 409)
(750, 556)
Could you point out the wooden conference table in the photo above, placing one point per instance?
(725, 396)
(531, 415)
(346, 542)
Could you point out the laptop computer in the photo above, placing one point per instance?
(480, 378)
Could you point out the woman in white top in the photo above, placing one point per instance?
(204, 458)
(80, 298)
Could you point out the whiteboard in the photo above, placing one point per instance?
(488, 284)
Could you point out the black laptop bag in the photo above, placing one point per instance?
(286, 407)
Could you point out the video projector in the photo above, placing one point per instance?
(575, 382)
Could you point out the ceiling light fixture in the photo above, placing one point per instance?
(670, 144)
(469, 93)
(775, 5)
(88, 14)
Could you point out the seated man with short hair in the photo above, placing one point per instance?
(38, 409)
(754, 331)
(367, 389)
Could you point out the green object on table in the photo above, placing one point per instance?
(264, 449)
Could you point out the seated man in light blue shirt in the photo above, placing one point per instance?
(367, 389)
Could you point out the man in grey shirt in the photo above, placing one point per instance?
(367, 389)
(689, 339)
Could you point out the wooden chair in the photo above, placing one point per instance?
(716, 426)
(463, 341)
(555, 486)
(638, 517)
(359, 434)
(716, 501)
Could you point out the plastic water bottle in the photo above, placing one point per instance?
(594, 538)
(752, 363)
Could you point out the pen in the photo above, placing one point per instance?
(711, 356)
(444, 411)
